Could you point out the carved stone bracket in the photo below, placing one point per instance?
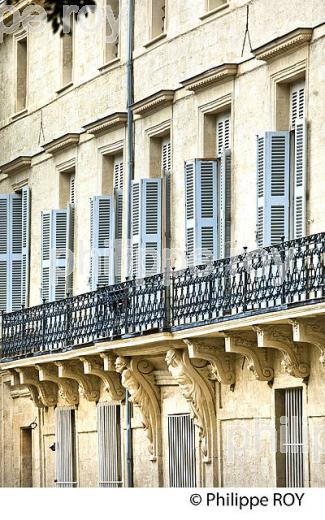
(138, 379)
(198, 392)
(89, 386)
(47, 392)
(259, 362)
(34, 394)
(68, 389)
(310, 331)
(279, 337)
(110, 379)
(221, 366)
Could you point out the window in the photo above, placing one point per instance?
(158, 17)
(181, 451)
(65, 448)
(112, 37)
(26, 458)
(223, 133)
(14, 250)
(214, 4)
(21, 77)
(67, 54)
(289, 425)
(109, 445)
(282, 170)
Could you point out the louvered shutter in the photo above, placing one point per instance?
(300, 178)
(109, 445)
(65, 447)
(118, 194)
(201, 211)
(273, 187)
(25, 243)
(16, 253)
(224, 249)
(181, 451)
(70, 249)
(59, 256)
(297, 103)
(151, 226)
(72, 197)
(4, 251)
(223, 133)
(102, 241)
(136, 229)
(46, 255)
(166, 155)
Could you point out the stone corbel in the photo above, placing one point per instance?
(259, 362)
(110, 379)
(15, 381)
(310, 331)
(220, 364)
(68, 389)
(199, 394)
(88, 385)
(138, 379)
(47, 392)
(279, 337)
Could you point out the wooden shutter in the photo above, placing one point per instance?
(224, 248)
(201, 211)
(70, 248)
(72, 197)
(65, 448)
(118, 172)
(54, 254)
(46, 255)
(109, 445)
(300, 178)
(166, 155)
(118, 194)
(4, 251)
(25, 243)
(223, 133)
(181, 451)
(102, 241)
(146, 227)
(273, 187)
(297, 102)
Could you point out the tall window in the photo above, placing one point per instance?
(65, 448)
(21, 77)
(109, 445)
(181, 451)
(112, 36)
(67, 53)
(158, 17)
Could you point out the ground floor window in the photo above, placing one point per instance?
(109, 445)
(181, 448)
(65, 448)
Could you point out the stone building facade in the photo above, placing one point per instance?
(223, 365)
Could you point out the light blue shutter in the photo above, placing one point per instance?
(151, 226)
(273, 187)
(70, 248)
(118, 194)
(45, 255)
(224, 249)
(15, 267)
(223, 133)
(102, 241)
(59, 254)
(201, 211)
(136, 229)
(25, 244)
(300, 178)
(4, 251)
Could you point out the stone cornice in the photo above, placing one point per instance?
(61, 143)
(106, 123)
(154, 102)
(23, 162)
(210, 77)
(286, 43)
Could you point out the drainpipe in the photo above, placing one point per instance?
(130, 175)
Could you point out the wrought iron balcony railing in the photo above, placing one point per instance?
(262, 281)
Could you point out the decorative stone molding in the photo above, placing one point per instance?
(154, 102)
(106, 123)
(287, 43)
(111, 381)
(62, 143)
(32, 390)
(138, 379)
(89, 386)
(221, 366)
(259, 362)
(68, 390)
(211, 77)
(47, 392)
(310, 331)
(23, 162)
(279, 337)
(199, 394)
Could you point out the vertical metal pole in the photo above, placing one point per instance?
(129, 454)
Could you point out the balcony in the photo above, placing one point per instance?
(259, 282)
